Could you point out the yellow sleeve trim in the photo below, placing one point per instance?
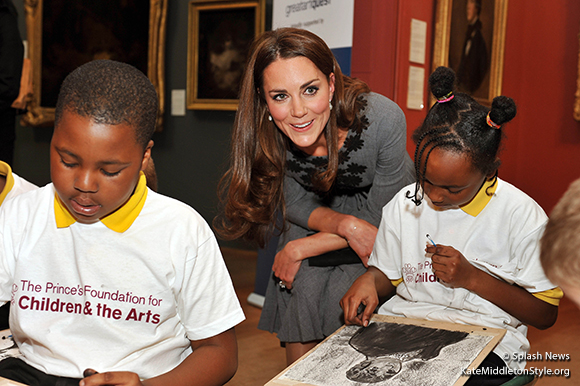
(551, 296)
(397, 282)
(6, 171)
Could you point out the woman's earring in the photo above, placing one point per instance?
(330, 103)
(269, 117)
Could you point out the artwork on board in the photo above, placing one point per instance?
(393, 351)
(8, 347)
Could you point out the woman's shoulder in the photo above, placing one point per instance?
(378, 103)
(382, 117)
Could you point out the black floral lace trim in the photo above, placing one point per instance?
(349, 173)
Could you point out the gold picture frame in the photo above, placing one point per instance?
(219, 38)
(450, 42)
(60, 33)
(577, 101)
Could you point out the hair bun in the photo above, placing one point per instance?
(441, 81)
(503, 109)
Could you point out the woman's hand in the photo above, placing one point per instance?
(360, 236)
(287, 262)
(451, 267)
(111, 378)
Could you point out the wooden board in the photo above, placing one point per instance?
(9, 382)
(412, 362)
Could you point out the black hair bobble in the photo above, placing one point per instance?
(441, 82)
(503, 109)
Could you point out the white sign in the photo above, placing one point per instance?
(418, 41)
(415, 88)
(332, 20)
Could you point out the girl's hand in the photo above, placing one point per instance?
(362, 293)
(287, 263)
(112, 378)
(451, 267)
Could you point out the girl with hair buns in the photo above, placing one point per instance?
(327, 154)
(481, 264)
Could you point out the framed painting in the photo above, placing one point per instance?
(470, 38)
(220, 35)
(64, 34)
(394, 351)
(577, 101)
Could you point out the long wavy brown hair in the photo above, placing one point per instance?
(251, 191)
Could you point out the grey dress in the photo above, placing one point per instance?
(374, 165)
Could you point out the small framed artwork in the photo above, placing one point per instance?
(577, 101)
(65, 34)
(220, 35)
(470, 38)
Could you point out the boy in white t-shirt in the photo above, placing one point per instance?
(105, 275)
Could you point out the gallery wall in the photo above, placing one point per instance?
(542, 149)
(542, 153)
(190, 153)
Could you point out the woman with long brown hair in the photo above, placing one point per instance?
(326, 153)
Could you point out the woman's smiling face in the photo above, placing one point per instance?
(298, 96)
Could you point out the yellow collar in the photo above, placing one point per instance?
(6, 171)
(475, 206)
(118, 221)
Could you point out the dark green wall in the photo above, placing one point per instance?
(190, 154)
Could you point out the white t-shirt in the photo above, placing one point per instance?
(502, 240)
(85, 296)
(15, 184)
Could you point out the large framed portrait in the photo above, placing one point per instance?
(64, 34)
(470, 38)
(220, 35)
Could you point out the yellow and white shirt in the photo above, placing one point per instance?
(499, 234)
(15, 185)
(126, 293)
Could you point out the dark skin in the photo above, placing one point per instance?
(450, 182)
(100, 164)
(212, 363)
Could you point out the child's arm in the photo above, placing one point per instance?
(366, 291)
(288, 260)
(451, 267)
(212, 363)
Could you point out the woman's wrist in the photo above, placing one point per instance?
(294, 249)
(347, 227)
